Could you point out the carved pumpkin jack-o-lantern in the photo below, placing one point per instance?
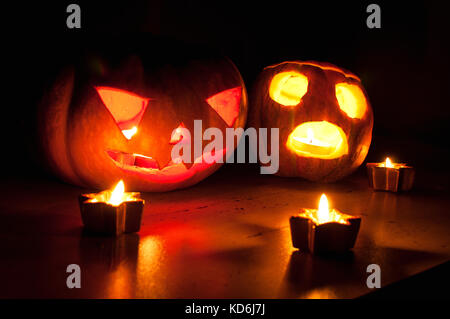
(323, 114)
(120, 120)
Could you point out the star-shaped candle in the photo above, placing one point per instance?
(112, 211)
(388, 176)
(324, 230)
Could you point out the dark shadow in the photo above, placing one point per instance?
(109, 265)
(355, 181)
(107, 251)
(346, 274)
(306, 272)
(431, 284)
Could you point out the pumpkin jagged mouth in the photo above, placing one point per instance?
(318, 139)
(142, 163)
(123, 159)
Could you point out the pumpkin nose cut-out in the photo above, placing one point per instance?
(125, 107)
(319, 139)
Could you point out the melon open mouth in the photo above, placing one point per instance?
(318, 139)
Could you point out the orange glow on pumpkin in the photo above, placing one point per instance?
(351, 100)
(318, 139)
(288, 88)
(324, 214)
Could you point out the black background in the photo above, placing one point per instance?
(404, 65)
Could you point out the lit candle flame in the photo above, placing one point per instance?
(388, 163)
(310, 139)
(323, 214)
(129, 133)
(116, 197)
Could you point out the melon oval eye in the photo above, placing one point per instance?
(288, 88)
(351, 100)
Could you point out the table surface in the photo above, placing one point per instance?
(227, 237)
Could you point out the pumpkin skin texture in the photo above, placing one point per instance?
(313, 100)
(82, 121)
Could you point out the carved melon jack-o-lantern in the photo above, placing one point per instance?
(103, 121)
(323, 114)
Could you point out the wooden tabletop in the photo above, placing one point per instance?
(227, 237)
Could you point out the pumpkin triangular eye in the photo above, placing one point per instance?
(226, 104)
(126, 108)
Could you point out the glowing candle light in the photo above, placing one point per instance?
(310, 144)
(390, 176)
(116, 197)
(323, 214)
(112, 211)
(388, 163)
(129, 133)
(324, 229)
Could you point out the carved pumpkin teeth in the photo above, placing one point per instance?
(128, 160)
(145, 161)
(123, 159)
